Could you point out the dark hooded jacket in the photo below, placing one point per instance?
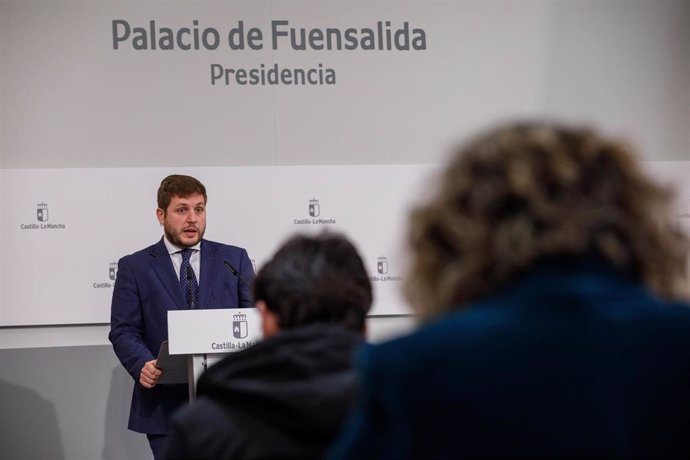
(284, 398)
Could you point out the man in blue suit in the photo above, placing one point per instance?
(181, 271)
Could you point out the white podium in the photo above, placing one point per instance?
(204, 337)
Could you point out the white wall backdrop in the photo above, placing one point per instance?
(65, 234)
(94, 111)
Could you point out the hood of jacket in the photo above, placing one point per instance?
(300, 382)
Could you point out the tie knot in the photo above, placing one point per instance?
(186, 254)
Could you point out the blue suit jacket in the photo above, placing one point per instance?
(145, 289)
(572, 360)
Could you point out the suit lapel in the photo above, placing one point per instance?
(163, 267)
(209, 276)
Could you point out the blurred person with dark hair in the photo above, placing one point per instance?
(181, 271)
(548, 273)
(285, 397)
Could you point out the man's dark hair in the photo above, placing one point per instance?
(178, 185)
(316, 279)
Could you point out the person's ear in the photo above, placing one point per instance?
(269, 319)
(160, 214)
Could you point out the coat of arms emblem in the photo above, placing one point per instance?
(42, 212)
(314, 208)
(112, 271)
(382, 265)
(240, 329)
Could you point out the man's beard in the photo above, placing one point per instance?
(176, 241)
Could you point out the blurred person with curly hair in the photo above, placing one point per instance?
(549, 276)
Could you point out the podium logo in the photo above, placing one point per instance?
(240, 329)
(314, 208)
(112, 271)
(382, 265)
(42, 212)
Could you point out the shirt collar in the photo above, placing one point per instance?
(172, 248)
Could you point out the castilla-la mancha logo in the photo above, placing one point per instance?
(42, 212)
(240, 328)
(383, 269)
(112, 271)
(314, 208)
(314, 213)
(112, 274)
(42, 218)
(382, 265)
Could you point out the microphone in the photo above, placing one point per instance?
(235, 272)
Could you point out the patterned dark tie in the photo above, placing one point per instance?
(188, 281)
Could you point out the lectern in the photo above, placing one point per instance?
(199, 338)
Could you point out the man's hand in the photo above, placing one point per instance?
(150, 374)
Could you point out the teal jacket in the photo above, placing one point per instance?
(572, 360)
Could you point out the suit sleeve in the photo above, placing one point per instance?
(246, 270)
(127, 323)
